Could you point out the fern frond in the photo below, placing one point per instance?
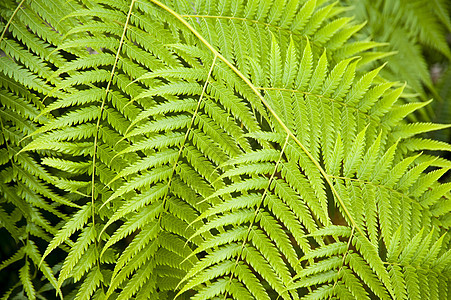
(202, 149)
(77, 222)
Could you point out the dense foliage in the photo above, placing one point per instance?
(223, 149)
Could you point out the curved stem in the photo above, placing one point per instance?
(96, 135)
(266, 104)
(193, 119)
(258, 209)
(10, 20)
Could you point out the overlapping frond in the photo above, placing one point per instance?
(30, 207)
(419, 31)
(202, 149)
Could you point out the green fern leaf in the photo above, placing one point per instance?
(223, 149)
(24, 275)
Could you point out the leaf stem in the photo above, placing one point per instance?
(10, 20)
(193, 119)
(266, 104)
(96, 135)
(258, 209)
